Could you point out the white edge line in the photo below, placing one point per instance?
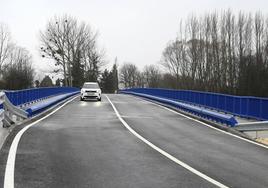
(210, 126)
(172, 158)
(253, 122)
(10, 165)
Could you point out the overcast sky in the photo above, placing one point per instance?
(133, 30)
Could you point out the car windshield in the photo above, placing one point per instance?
(91, 86)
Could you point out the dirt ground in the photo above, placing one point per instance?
(262, 140)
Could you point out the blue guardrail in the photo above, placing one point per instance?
(243, 106)
(20, 97)
(39, 107)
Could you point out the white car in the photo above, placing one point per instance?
(90, 90)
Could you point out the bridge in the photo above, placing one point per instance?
(138, 138)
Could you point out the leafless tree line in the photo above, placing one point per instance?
(16, 71)
(151, 76)
(130, 76)
(73, 48)
(223, 52)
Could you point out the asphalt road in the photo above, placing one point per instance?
(84, 144)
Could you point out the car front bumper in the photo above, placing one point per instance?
(90, 95)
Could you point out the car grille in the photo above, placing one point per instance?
(91, 91)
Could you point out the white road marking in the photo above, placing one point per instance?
(253, 122)
(137, 117)
(210, 126)
(172, 158)
(10, 165)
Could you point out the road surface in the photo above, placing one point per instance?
(84, 144)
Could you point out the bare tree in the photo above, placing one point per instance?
(19, 73)
(140, 79)
(192, 47)
(152, 76)
(129, 75)
(5, 46)
(173, 59)
(72, 46)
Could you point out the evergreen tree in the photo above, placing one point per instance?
(78, 72)
(46, 82)
(107, 81)
(58, 82)
(37, 83)
(115, 77)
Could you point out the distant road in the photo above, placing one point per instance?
(85, 144)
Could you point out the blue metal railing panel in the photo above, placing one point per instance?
(249, 107)
(264, 109)
(199, 111)
(19, 97)
(40, 107)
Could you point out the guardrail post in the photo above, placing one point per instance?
(260, 106)
(2, 114)
(11, 112)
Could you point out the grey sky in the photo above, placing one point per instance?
(133, 30)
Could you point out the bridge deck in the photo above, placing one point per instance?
(85, 145)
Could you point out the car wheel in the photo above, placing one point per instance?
(99, 99)
(81, 99)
